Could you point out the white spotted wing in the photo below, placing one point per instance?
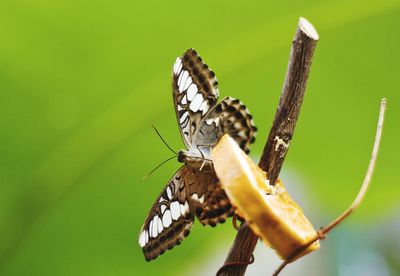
(170, 219)
(195, 92)
(172, 215)
(202, 122)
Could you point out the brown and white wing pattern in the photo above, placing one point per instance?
(190, 193)
(209, 200)
(195, 92)
(170, 219)
(195, 192)
(229, 116)
(232, 117)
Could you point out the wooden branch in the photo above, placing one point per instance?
(279, 138)
(291, 99)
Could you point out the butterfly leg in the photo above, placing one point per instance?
(202, 165)
(205, 160)
(211, 165)
(212, 168)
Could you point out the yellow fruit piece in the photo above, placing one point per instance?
(269, 210)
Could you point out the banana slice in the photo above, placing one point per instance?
(269, 210)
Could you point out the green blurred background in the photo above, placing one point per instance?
(81, 83)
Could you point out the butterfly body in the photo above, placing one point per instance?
(198, 158)
(194, 190)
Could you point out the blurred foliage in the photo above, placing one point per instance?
(81, 82)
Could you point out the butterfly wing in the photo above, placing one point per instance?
(232, 117)
(195, 92)
(202, 123)
(209, 200)
(170, 219)
(229, 116)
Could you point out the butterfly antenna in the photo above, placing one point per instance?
(162, 139)
(159, 165)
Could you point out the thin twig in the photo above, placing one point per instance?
(280, 135)
(321, 234)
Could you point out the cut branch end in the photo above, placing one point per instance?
(306, 27)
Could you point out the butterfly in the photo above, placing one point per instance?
(194, 190)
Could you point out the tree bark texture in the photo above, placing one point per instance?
(279, 137)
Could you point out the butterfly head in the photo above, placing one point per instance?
(182, 156)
